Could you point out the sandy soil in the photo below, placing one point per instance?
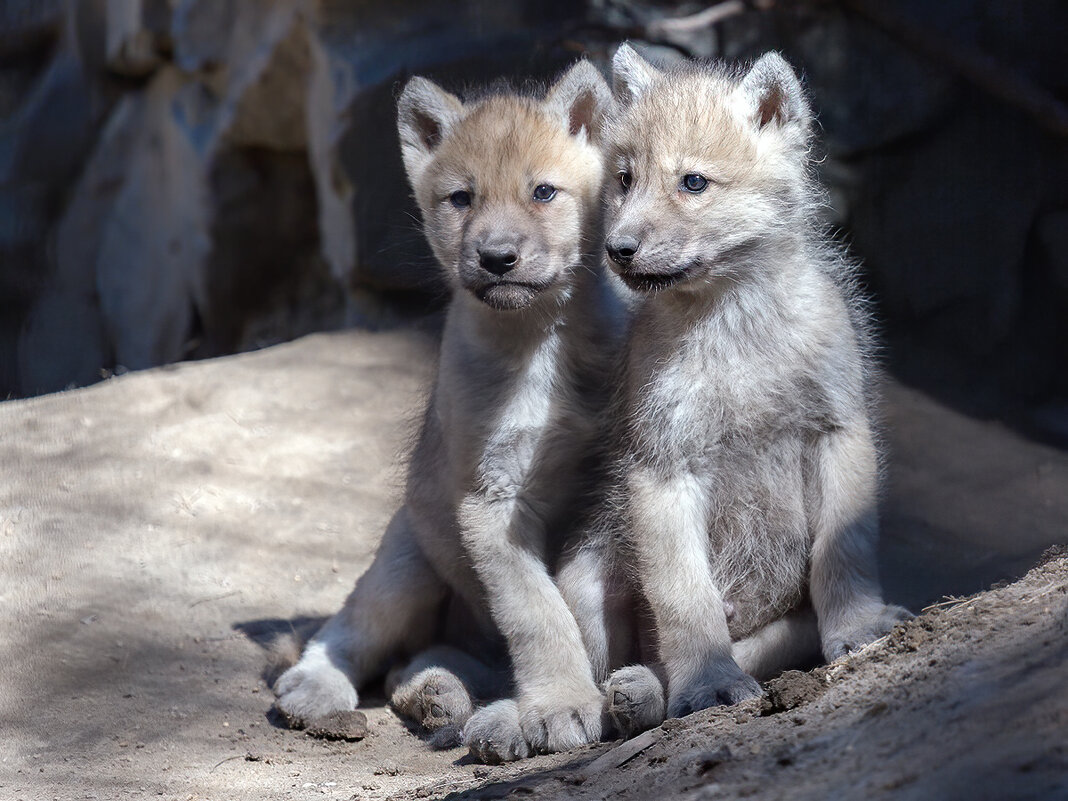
(157, 529)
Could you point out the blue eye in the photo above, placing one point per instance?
(694, 183)
(544, 193)
(461, 199)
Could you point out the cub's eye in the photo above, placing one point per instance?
(461, 199)
(625, 179)
(694, 183)
(544, 192)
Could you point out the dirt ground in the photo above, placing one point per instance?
(157, 528)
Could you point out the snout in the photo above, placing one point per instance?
(506, 271)
(621, 249)
(498, 258)
(646, 269)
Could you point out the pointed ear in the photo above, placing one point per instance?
(425, 115)
(773, 94)
(631, 74)
(581, 99)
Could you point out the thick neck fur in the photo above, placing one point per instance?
(508, 337)
(755, 305)
(504, 371)
(738, 359)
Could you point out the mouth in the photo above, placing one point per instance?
(509, 295)
(652, 282)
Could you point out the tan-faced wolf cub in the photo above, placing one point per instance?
(749, 474)
(508, 187)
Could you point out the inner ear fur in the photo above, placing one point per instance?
(774, 93)
(425, 115)
(581, 99)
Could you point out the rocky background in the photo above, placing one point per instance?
(188, 178)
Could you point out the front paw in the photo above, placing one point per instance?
(492, 734)
(312, 690)
(634, 700)
(720, 683)
(560, 721)
(434, 697)
(862, 628)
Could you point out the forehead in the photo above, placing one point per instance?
(504, 138)
(687, 116)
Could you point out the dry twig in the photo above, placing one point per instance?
(667, 27)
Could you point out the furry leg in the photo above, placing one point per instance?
(558, 702)
(789, 643)
(583, 583)
(844, 580)
(671, 542)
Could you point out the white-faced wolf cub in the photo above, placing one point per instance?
(749, 475)
(508, 187)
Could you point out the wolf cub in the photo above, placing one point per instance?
(508, 187)
(749, 475)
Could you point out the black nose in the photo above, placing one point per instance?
(498, 259)
(621, 249)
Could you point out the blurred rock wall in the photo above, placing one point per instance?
(946, 128)
(185, 178)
